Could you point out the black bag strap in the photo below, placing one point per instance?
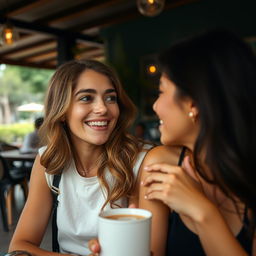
(55, 193)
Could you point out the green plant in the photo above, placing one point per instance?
(15, 132)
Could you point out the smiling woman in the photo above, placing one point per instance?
(87, 114)
(206, 104)
(93, 112)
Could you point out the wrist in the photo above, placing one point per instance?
(205, 213)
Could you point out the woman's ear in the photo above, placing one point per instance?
(192, 110)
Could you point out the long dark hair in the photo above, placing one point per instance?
(217, 70)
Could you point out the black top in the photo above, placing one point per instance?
(183, 242)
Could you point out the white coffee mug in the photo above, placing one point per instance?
(125, 232)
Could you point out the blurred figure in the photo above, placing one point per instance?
(148, 131)
(31, 140)
(140, 131)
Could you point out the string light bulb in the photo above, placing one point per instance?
(150, 7)
(152, 69)
(8, 34)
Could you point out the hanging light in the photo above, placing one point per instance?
(151, 69)
(150, 7)
(8, 34)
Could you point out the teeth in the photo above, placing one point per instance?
(161, 122)
(98, 123)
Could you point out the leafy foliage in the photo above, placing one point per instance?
(23, 85)
(20, 85)
(15, 132)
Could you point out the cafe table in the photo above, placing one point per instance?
(15, 155)
(21, 161)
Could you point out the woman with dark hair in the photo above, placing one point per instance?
(207, 105)
(87, 115)
(203, 191)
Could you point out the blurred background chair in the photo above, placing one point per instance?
(16, 166)
(9, 178)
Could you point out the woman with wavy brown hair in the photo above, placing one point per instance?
(85, 138)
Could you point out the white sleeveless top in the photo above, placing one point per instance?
(80, 202)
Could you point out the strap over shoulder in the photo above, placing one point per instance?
(55, 184)
(182, 155)
(55, 193)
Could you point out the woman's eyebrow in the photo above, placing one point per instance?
(85, 91)
(93, 91)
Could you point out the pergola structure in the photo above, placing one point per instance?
(54, 31)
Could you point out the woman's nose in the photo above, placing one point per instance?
(100, 107)
(154, 106)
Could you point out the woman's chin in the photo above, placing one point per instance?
(165, 141)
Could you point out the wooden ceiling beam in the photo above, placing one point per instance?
(109, 20)
(32, 45)
(8, 8)
(49, 30)
(82, 9)
(42, 56)
(52, 61)
(27, 7)
(31, 51)
(90, 54)
(26, 64)
(126, 15)
(40, 53)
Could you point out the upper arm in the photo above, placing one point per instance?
(159, 210)
(36, 213)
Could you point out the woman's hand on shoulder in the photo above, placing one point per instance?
(172, 185)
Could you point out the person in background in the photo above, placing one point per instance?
(85, 133)
(31, 140)
(140, 131)
(150, 133)
(203, 194)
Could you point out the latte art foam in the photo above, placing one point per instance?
(125, 217)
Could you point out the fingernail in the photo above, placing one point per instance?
(145, 197)
(146, 168)
(142, 183)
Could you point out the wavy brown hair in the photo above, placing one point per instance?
(121, 149)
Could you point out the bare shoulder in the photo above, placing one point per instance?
(159, 154)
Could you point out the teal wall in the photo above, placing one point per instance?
(127, 43)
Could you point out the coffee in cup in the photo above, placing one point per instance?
(125, 217)
(125, 231)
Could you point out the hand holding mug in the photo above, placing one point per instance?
(94, 245)
(125, 231)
